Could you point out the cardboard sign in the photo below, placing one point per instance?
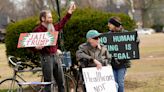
(122, 46)
(37, 39)
(99, 80)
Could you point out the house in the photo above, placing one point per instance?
(4, 21)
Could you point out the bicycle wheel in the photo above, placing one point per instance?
(10, 85)
(70, 83)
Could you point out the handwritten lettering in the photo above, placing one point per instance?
(98, 77)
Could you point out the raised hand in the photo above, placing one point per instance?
(72, 7)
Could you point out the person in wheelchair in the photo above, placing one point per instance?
(92, 53)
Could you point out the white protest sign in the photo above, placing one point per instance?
(99, 80)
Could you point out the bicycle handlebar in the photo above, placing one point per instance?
(11, 61)
(21, 65)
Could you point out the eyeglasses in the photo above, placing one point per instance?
(95, 38)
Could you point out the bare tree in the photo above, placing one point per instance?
(31, 8)
(6, 6)
(144, 6)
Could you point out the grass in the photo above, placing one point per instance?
(145, 74)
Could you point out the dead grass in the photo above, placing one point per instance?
(147, 74)
(7, 72)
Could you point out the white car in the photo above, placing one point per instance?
(145, 31)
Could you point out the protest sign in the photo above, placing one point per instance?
(37, 39)
(122, 46)
(99, 80)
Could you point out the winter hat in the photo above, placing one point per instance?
(114, 22)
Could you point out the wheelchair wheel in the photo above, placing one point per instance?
(70, 83)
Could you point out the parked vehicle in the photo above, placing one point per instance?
(163, 29)
(145, 31)
(2, 38)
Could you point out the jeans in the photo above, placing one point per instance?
(52, 69)
(119, 75)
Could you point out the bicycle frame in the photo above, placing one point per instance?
(15, 75)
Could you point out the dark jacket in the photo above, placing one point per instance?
(117, 64)
(86, 54)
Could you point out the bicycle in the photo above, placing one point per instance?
(14, 85)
